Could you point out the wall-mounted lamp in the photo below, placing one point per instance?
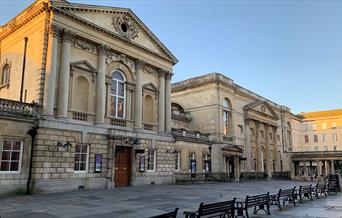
(67, 146)
(171, 151)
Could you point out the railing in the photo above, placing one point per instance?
(79, 116)
(118, 122)
(10, 107)
(148, 126)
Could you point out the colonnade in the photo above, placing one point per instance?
(63, 77)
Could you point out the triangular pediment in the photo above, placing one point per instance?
(150, 86)
(262, 108)
(233, 148)
(120, 21)
(83, 65)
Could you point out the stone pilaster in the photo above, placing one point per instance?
(267, 151)
(258, 151)
(161, 102)
(275, 148)
(332, 171)
(101, 85)
(168, 102)
(64, 75)
(51, 71)
(138, 94)
(248, 146)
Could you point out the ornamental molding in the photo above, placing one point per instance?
(85, 45)
(114, 57)
(125, 26)
(55, 31)
(150, 70)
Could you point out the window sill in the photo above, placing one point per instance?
(6, 85)
(9, 172)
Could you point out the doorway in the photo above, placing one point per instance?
(123, 168)
(230, 168)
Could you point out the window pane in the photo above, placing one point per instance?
(118, 76)
(114, 85)
(4, 166)
(14, 166)
(82, 166)
(77, 157)
(16, 145)
(6, 155)
(121, 89)
(7, 145)
(15, 156)
(78, 148)
(84, 148)
(83, 157)
(120, 107)
(77, 166)
(113, 106)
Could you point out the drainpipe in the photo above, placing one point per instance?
(23, 71)
(32, 132)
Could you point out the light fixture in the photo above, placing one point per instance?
(171, 151)
(67, 146)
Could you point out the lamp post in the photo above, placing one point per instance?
(210, 158)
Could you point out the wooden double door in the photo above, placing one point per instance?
(123, 166)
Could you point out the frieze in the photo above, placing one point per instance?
(113, 57)
(150, 70)
(85, 45)
(125, 26)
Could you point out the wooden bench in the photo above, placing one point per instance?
(259, 202)
(284, 195)
(305, 191)
(172, 214)
(320, 189)
(220, 209)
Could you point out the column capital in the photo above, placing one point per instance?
(68, 36)
(55, 31)
(161, 73)
(168, 75)
(102, 49)
(139, 64)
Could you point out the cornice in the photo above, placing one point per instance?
(112, 34)
(23, 18)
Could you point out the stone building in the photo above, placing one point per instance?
(249, 135)
(100, 81)
(317, 147)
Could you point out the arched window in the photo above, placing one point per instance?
(226, 116)
(118, 95)
(5, 73)
(148, 110)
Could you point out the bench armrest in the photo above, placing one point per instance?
(239, 205)
(190, 214)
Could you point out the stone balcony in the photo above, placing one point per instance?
(16, 109)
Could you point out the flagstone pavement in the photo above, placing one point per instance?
(151, 200)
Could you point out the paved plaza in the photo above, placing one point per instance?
(152, 200)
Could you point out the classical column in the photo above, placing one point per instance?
(319, 168)
(51, 71)
(237, 169)
(332, 167)
(258, 148)
(275, 148)
(267, 151)
(101, 85)
(138, 94)
(168, 102)
(64, 76)
(325, 168)
(161, 102)
(248, 146)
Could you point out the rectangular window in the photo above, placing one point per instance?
(151, 160)
(314, 127)
(324, 126)
(192, 156)
(252, 131)
(306, 127)
(333, 125)
(81, 158)
(335, 137)
(306, 139)
(335, 148)
(278, 138)
(324, 137)
(177, 161)
(262, 134)
(241, 129)
(270, 136)
(205, 163)
(11, 153)
(225, 122)
(315, 137)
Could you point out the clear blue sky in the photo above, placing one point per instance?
(287, 51)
